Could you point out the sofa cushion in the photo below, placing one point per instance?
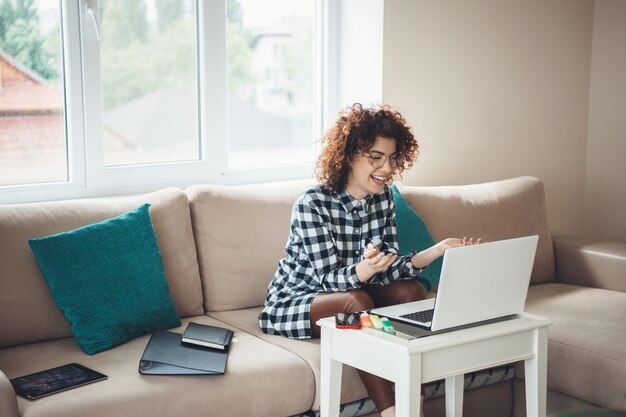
(493, 211)
(586, 346)
(242, 391)
(248, 320)
(21, 279)
(107, 278)
(240, 235)
(413, 235)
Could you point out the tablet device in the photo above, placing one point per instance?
(54, 380)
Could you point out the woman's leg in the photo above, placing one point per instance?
(397, 292)
(327, 304)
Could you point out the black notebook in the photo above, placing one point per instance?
(209, 336)
(165, 354)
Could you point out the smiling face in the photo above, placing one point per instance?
(364, 178)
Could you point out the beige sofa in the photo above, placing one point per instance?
(220, 246)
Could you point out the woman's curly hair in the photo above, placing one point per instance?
(354, 133)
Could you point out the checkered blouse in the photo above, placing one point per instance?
(329, 233)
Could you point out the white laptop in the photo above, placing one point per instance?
(478, 283)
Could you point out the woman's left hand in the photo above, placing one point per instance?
(425, 257)
(455, 242)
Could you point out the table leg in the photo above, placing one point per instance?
(536, 375)
(454, 395)
(330, 384)
(408, 387)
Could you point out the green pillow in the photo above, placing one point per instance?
(414, 236)
(108, 280)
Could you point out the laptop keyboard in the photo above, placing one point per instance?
(424, 316)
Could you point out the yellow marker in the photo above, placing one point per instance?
(376, 321)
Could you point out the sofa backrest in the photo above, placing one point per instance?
(494, 210)
(28, 312)
(240, 235)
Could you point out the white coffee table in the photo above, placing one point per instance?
(412, 362)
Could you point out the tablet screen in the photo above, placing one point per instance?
(54, 380)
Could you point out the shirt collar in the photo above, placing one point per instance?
(350, 202)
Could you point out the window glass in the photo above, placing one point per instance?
(270, 58)
(33, 146)
(149, 99)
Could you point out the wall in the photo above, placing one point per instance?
(495, 89)
(605, 192)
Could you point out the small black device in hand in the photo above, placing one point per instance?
(348, 320)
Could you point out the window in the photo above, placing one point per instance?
(148, 76)
(101, 97)
(270, 50)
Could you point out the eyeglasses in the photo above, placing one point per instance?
(378, 161)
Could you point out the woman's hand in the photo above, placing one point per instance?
(455, 242)
(425, 257)
(373, 261)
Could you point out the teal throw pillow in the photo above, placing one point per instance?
(108, 280)
(413, 235)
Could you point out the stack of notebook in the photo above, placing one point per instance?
(200, 350)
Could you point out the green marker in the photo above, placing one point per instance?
(387, 326)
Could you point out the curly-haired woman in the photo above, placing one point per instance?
(332, 264)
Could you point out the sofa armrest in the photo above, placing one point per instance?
(590, 263)
(8, 401)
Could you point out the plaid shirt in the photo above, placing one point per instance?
(329, 233)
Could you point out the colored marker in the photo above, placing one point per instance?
(365, 320)
(387, 326)
(376, 323)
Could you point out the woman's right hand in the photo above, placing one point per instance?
(373, 261)
(376, 259)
